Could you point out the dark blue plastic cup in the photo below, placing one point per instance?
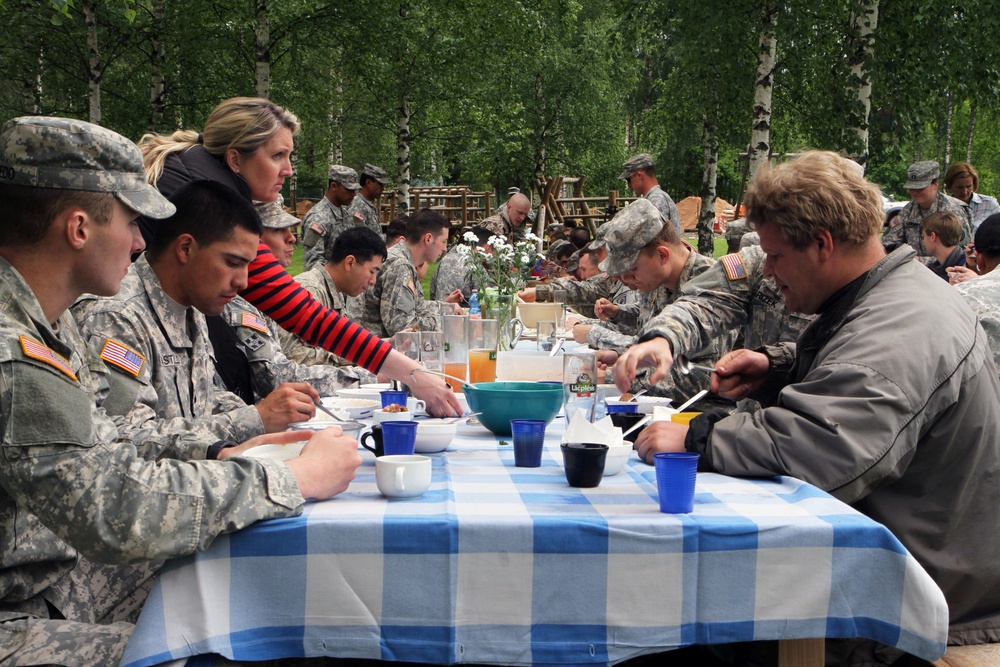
(676, 473)
(614, 408)
(398, 437)
(528, 435)
(393, 398)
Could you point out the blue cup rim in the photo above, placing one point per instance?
(676, 456)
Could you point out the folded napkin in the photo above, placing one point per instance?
(602, 432)
(662, 413)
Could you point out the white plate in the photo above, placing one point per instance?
(276, 452)
(355, 408)
(370, 392)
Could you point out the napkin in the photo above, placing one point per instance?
(662, 413)
(603, 431)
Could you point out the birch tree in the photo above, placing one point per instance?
(860, 46)
(759, 150)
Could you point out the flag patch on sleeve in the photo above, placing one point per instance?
(359, 215)
(35, 350)
(118, 355)
(255, 322)
(734, 266)
(316, 227)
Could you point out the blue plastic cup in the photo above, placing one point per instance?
(614, 408)
(676, 473)
(393, 398)
(528, 435)
(398, 437)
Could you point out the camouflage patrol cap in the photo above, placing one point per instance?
(922, 174)
(554, 249)
(640, 161)
(345, 176)
(574, 261)
(371, 171)
(628, 232)
(66, 154)
(274, 216)
(599, 237)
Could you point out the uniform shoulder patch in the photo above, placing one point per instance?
(733, 264)
(123, 357)
(254, 322)
(359, 215)
(35, 350)
(409, 286)
(316, 227)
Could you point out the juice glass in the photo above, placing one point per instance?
(483, 353)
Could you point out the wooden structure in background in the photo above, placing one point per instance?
(457, 202)
(562, 199)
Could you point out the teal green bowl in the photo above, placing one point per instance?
(502, 401)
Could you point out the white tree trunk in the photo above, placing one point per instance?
(972, 131)
(706, 218)
(157, 80)
(336, 114)
(93, 61)
(760, 136)
(862, 47)
(949, 117)
(262, 49)
(403, 155)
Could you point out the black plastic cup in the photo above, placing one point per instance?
(584, 463)
(626, 420)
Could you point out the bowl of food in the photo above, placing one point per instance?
(434, 435)
(392, 412)
(499, 402)
(531, 313)
(353, 408)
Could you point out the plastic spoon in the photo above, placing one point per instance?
(692, 400)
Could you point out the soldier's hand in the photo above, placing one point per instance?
(528, 295)
(960, 274)
(440, 400)
(580, 332)
(605, 358)
(280, 438)
(455, 297)
(327, 464)
(291, 402)
(740, 372)
(605, 309)
(655, 353)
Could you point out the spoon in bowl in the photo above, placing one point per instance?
(685, 366)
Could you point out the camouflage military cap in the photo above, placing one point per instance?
(513, 190)
(922, 174)
(345, 176)
(371, 171)
(574, 261)
(66, 154)
(599, 238)
(640, 161)
(553, 250)
(274, 216)
(628, 232)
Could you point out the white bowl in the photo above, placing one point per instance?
(277, 452)
(369, 392)
(646, 403)
(618, 456)
(354, 408)
(380, 415)
(434, 435)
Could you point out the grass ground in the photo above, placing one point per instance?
(298, 259)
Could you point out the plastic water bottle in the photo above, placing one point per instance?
(474, 308)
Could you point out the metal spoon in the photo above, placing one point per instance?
(443, 375)
(685, 366)
(336, 414)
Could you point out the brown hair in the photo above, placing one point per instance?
(29, 212)
(946, 225)
(818, 190)
(243, 123)
(961, 170)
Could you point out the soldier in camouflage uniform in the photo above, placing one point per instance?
(325, 220)
(509, 221)
(452, 272)
(646, 252)
(640, 175)
(159, 318)
(364, 209)
(72, 490)
(922, 182)
(396, 301)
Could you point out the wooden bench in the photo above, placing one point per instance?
(980, 655)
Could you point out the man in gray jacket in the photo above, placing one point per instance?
(888, 414)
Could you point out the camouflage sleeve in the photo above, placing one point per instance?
(692, 323)
(968, 231)
(627, 319)
(401, 307)
(893, 236)
(303, 353)
(578, 292)
(314, 255)
(62, 455)
(601, 337)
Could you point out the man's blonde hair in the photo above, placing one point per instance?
(817, 190)
(243, 123)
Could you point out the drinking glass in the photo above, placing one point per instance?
(560, 296)
(456, 348)
(579, 383)
(432, 350)
(408, 344)
(483, 356)
(546, 330)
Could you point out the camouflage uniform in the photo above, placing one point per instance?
(360, 212)
(905, 227)
(72, 491)
(175, 356)
(983, 295)
(269, 367)
(396, 301)
(580, 294)
(452, 273)
(319, 283)
(666, 206)
(499, 224)
(318, 225)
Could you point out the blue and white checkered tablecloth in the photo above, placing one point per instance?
(497, 564)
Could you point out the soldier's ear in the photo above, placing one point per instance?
(349, 262)
(184, 248)
(74, 224)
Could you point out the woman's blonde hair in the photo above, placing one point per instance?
(243, 123)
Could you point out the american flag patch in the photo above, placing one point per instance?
(734, 266)
(316, 227)
(359, 215)
(254, 322)
(118, 355)
(35, 350)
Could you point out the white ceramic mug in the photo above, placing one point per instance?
(402, 475)
(414, 405)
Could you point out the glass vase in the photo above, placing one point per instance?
(502, 308)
